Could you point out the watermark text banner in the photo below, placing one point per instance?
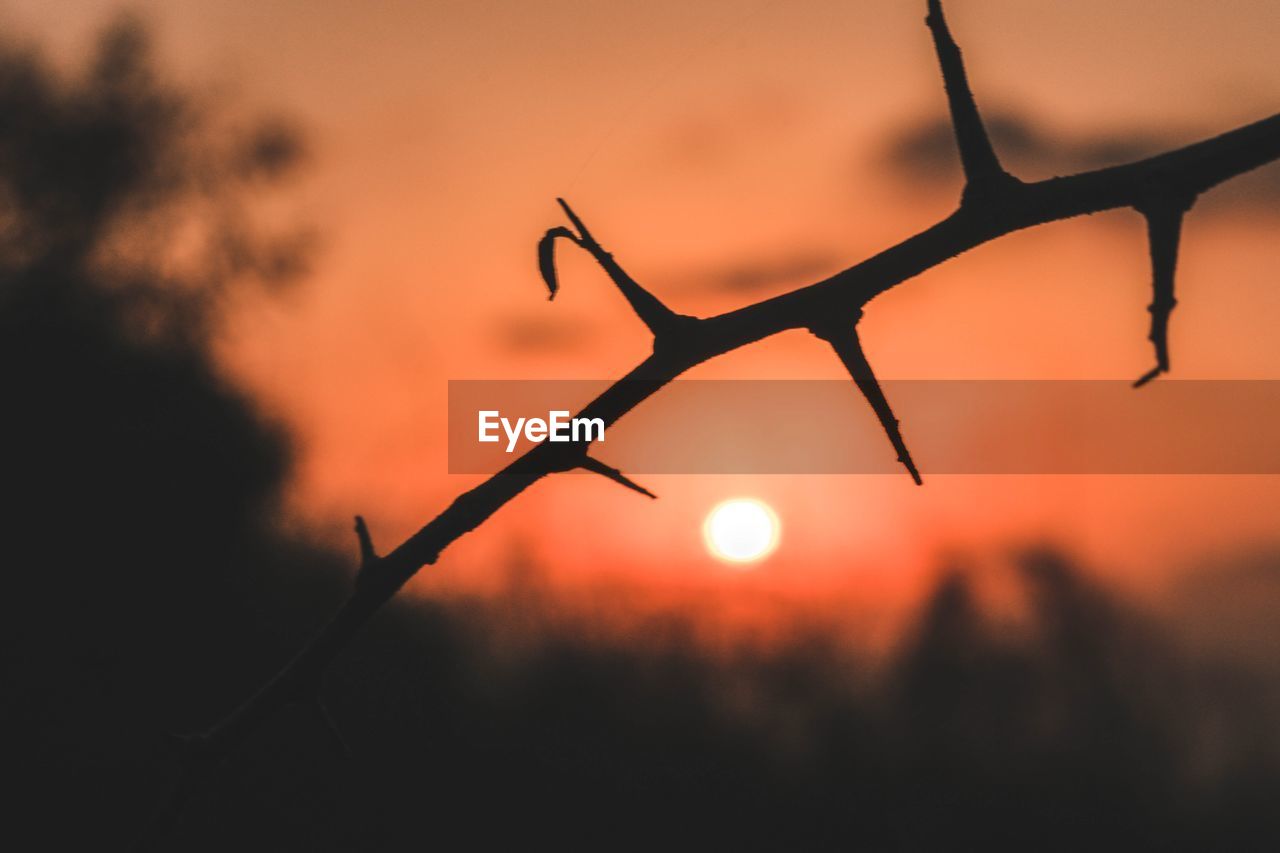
(826, 427)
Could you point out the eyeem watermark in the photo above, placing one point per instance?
(712, 426)
(558, 427)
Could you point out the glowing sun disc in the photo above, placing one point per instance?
(742, 530)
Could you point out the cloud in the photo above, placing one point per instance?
(759, 273)
(709, 135)
(924, 154)
(524, 333)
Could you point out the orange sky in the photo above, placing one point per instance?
(699, 140)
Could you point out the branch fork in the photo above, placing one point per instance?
(667, 326)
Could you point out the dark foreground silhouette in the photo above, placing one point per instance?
(147, 585)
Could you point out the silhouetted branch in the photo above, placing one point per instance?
(681, 343)
(1164, 232)
(982, 169)
(660, 319)
(595, 466)
(843, 337)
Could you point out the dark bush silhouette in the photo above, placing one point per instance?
(142, 490)
(1084, 728)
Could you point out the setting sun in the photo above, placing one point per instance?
(742, 530)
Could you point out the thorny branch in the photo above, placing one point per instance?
(994, 204)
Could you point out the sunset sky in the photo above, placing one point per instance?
(725, 152)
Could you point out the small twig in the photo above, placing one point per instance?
(660, 319)
(547, 256)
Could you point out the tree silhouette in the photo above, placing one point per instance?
(135, 473)
(993, 204)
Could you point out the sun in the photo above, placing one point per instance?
(741, 531)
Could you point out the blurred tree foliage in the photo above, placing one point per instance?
(143, 491)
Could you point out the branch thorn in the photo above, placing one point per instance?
(595, 466)
(368, 556)
(331, 726)
(982, 169)
(1164, 216)
(844, 340)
